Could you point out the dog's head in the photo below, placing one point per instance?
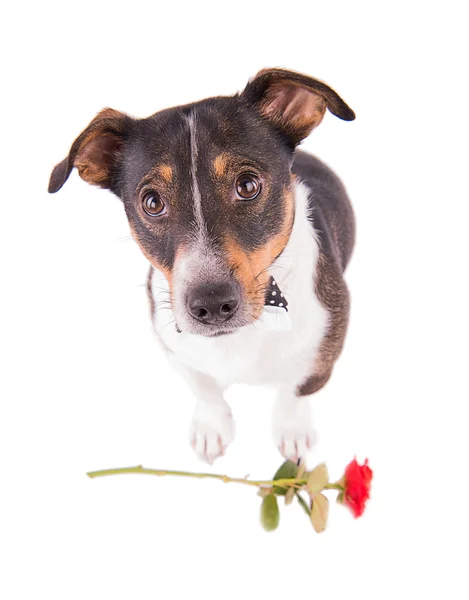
(207, 189)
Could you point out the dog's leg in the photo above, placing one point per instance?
(292, 424)
(212, 427)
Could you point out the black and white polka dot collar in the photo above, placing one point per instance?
(274, 296)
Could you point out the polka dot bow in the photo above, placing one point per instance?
(274, 297)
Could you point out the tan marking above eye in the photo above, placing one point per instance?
(220, 164)
(166, 172)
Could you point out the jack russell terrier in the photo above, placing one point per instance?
(247, 240)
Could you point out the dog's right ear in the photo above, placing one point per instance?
(96, 152)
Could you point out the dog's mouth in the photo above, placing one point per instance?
(210, 331)
(221, 332)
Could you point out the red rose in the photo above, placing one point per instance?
(357, 481)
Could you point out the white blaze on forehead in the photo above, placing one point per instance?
(199, 219)
(198, 262)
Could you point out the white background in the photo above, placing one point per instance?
(84, 385)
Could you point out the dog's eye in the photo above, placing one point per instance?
(153, 205)
(248, 186)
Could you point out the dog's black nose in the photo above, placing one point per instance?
(214, 303)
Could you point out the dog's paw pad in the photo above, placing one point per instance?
(210, 433)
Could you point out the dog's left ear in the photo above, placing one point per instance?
(97, 151)
(294, 103)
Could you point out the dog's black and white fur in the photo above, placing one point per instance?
(220, 201)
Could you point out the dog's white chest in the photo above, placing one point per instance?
(256, 354)
(254, 357)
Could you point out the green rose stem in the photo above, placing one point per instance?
(292, 482)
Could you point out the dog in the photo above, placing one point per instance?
(247, 238)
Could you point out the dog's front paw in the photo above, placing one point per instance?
(293, 430)
(212, 429)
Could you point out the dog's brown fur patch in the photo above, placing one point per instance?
(333, 294)
(166, 172)
(250, 268)
(220, 164)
